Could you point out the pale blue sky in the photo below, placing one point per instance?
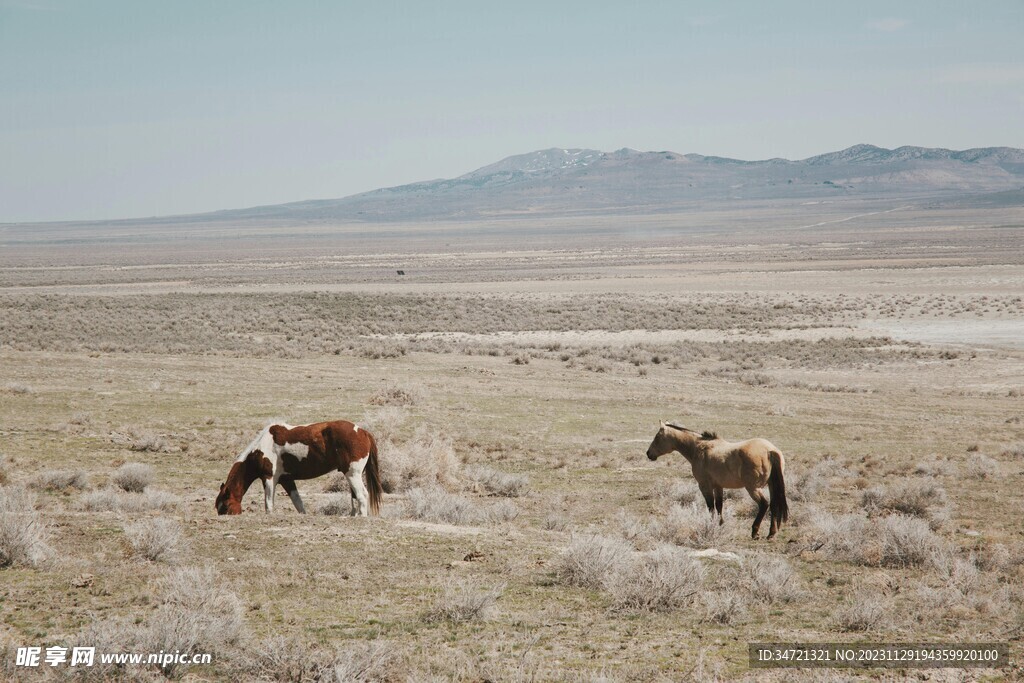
(131, 108)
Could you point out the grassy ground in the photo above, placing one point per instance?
(889, 444)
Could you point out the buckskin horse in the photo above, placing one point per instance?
(719, 464)
(283, 454)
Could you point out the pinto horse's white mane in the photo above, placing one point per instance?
(260, 441)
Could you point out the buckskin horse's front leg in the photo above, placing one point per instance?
(709, 496)
(718, 504)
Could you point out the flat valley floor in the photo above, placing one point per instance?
(514, 386)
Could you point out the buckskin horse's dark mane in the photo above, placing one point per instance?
(704, 436)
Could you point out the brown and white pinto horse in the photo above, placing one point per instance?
(283, 454)
(719, 464)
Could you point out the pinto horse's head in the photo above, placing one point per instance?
(661, 445)
(243, 473)
(226, 504)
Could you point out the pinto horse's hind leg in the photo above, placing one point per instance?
(762, 508)
(293, 492)
(360, 502)
(359, 499)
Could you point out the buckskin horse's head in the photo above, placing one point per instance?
(661, 445)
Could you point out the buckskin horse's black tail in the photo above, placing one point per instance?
(777, 488)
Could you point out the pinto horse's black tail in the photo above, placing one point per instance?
(373, 478)
(777, 488)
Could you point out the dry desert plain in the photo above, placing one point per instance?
(514, 382)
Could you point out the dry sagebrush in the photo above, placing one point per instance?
(300, 661)
(806, 484)
(692, 526)
(922, 499)
(16, 388)
(865, 612)
(771, 579)
(24, 538)
(464, 601)
(157, 540)
(285, 659)
(723, 607)
(589, 561)
(981, 467)
(496, 482)
(681, 491)
(426, 459)
(891, 541)
(60, 480)
(114, 500)
(663, 579)
(133, 477)
(336, 506)
(397, 395)
(142, 440)
(198, 613)
(434, 504)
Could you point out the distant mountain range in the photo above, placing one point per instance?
(581, 182)
(584, 181)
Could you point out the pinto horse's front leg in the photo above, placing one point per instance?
(268, 494)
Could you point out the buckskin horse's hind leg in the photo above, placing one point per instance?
(773, 527)
(762, 508)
